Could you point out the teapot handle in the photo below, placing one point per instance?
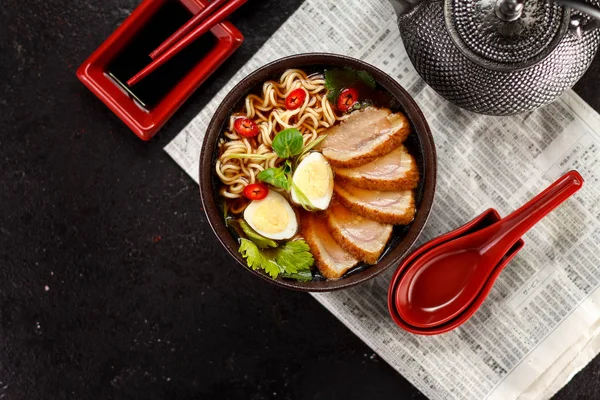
(586, 8)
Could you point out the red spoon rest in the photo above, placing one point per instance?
(483, 220)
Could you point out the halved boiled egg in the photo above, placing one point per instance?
(272, 217)
(314, 178)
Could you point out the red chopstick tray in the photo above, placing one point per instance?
(145, 122)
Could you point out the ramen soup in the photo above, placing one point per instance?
(315, 174)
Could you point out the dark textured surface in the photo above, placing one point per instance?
(111, 283)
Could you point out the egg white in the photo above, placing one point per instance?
(319, 202)
(275, 203)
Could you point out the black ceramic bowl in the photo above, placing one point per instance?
(420, 143)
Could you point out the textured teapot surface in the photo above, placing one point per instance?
(466, 54)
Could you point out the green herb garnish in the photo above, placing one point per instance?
(256, 259)
(302, 276)
(277, 177)
(258, 239)
(250, 156)
(338, 79)
(288, 143)
(282, 176)
(287, 166)
(291, 260)
(366, 78)
(225, 213)
(302, 199)
(295, 256)
(309, 147)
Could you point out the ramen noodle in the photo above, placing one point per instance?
(270, 114)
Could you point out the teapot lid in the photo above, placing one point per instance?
(506, 35)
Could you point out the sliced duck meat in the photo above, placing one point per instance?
(331, 259)
(396, 170)
(365, 135)
(387, 207)
(365, 239)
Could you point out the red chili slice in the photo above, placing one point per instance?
(256, 191)
(295, 99)
(346, 99)
(245, 127)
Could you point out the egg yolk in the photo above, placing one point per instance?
(313, 179)
(270, 216)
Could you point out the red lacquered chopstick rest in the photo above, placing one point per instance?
(146, 107)
(445, 280)
(205, 26)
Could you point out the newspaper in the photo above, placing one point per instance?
(541, 322)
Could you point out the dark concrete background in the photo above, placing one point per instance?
(111, 283)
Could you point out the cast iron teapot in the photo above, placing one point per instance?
(499, 57)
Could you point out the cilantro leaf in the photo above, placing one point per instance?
(276, 177)
(272, 269)
(288, 143)
(331, 84)
(293, 260)
(256, 259)
(258, 239)
(294, 257)
(366, 78)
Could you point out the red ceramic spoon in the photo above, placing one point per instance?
(445, 280)
(483, 220)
